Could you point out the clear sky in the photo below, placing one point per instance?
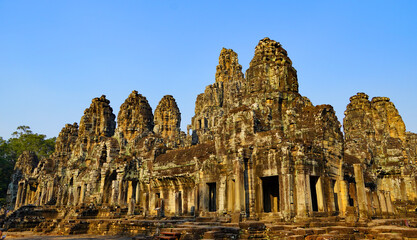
(55, 56)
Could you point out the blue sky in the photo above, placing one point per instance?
(55, 56)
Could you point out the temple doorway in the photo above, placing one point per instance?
(212, 196)
(313, 182)
(270, 188)
(107, 191)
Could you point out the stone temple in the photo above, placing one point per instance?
(256, 152)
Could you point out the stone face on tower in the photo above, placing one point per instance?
(167, 117)
(98, 119)
(97, 124)
(229, 68)
(135, 117)
(271, 69)
(375, 137)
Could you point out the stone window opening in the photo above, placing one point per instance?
(270, 189)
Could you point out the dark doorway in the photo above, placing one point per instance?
(313, 183)
(270, 187)
(212, 196)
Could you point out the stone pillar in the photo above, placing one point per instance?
(390, 206)
(251, 189)
(49, 190)
(382, 202)
(114, 192)
(131, 207)
(40, 195)
(25, 194)
(70, 196)
(19, 195)
(301, 191)
(83, 190)
(121, 192)
(286, 198)
(222, 194)
(58, 195)
(77, 195)
(343, 191)
(230, 195)
(376, 204)
(361, 192)
(129, 191)
(137, 194)
(371, 209)
(196, 199)
(239, 188)
(102, 183)
(320, 195)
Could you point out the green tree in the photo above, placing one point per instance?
(23, 139)
(6, 170)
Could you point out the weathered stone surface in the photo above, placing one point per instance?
(218, 98)
(411, 147)
(375, 137)
(26, 163)
(271, 69)
(97, 123)
(258, 151)
(135, 117)
(167, 118)
(66, 140)
(25, 166)
(98, 119)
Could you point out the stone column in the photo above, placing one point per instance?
(19, 195)
(137, 195)
(77, 195)
(82, 197)
(131, 207)
(301, 191)
(114, 192)
(361, 192)
(102, 183)
(390, 206)
(40, 197)
(239, 191)
(230, 195)
(222, 194)
(285, 194)
(25, 193)
(376, 204)
(252, 185)
(50, 190)
(129, 191)
(320, 195)
(121, 192)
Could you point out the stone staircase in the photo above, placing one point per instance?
(107, 221)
